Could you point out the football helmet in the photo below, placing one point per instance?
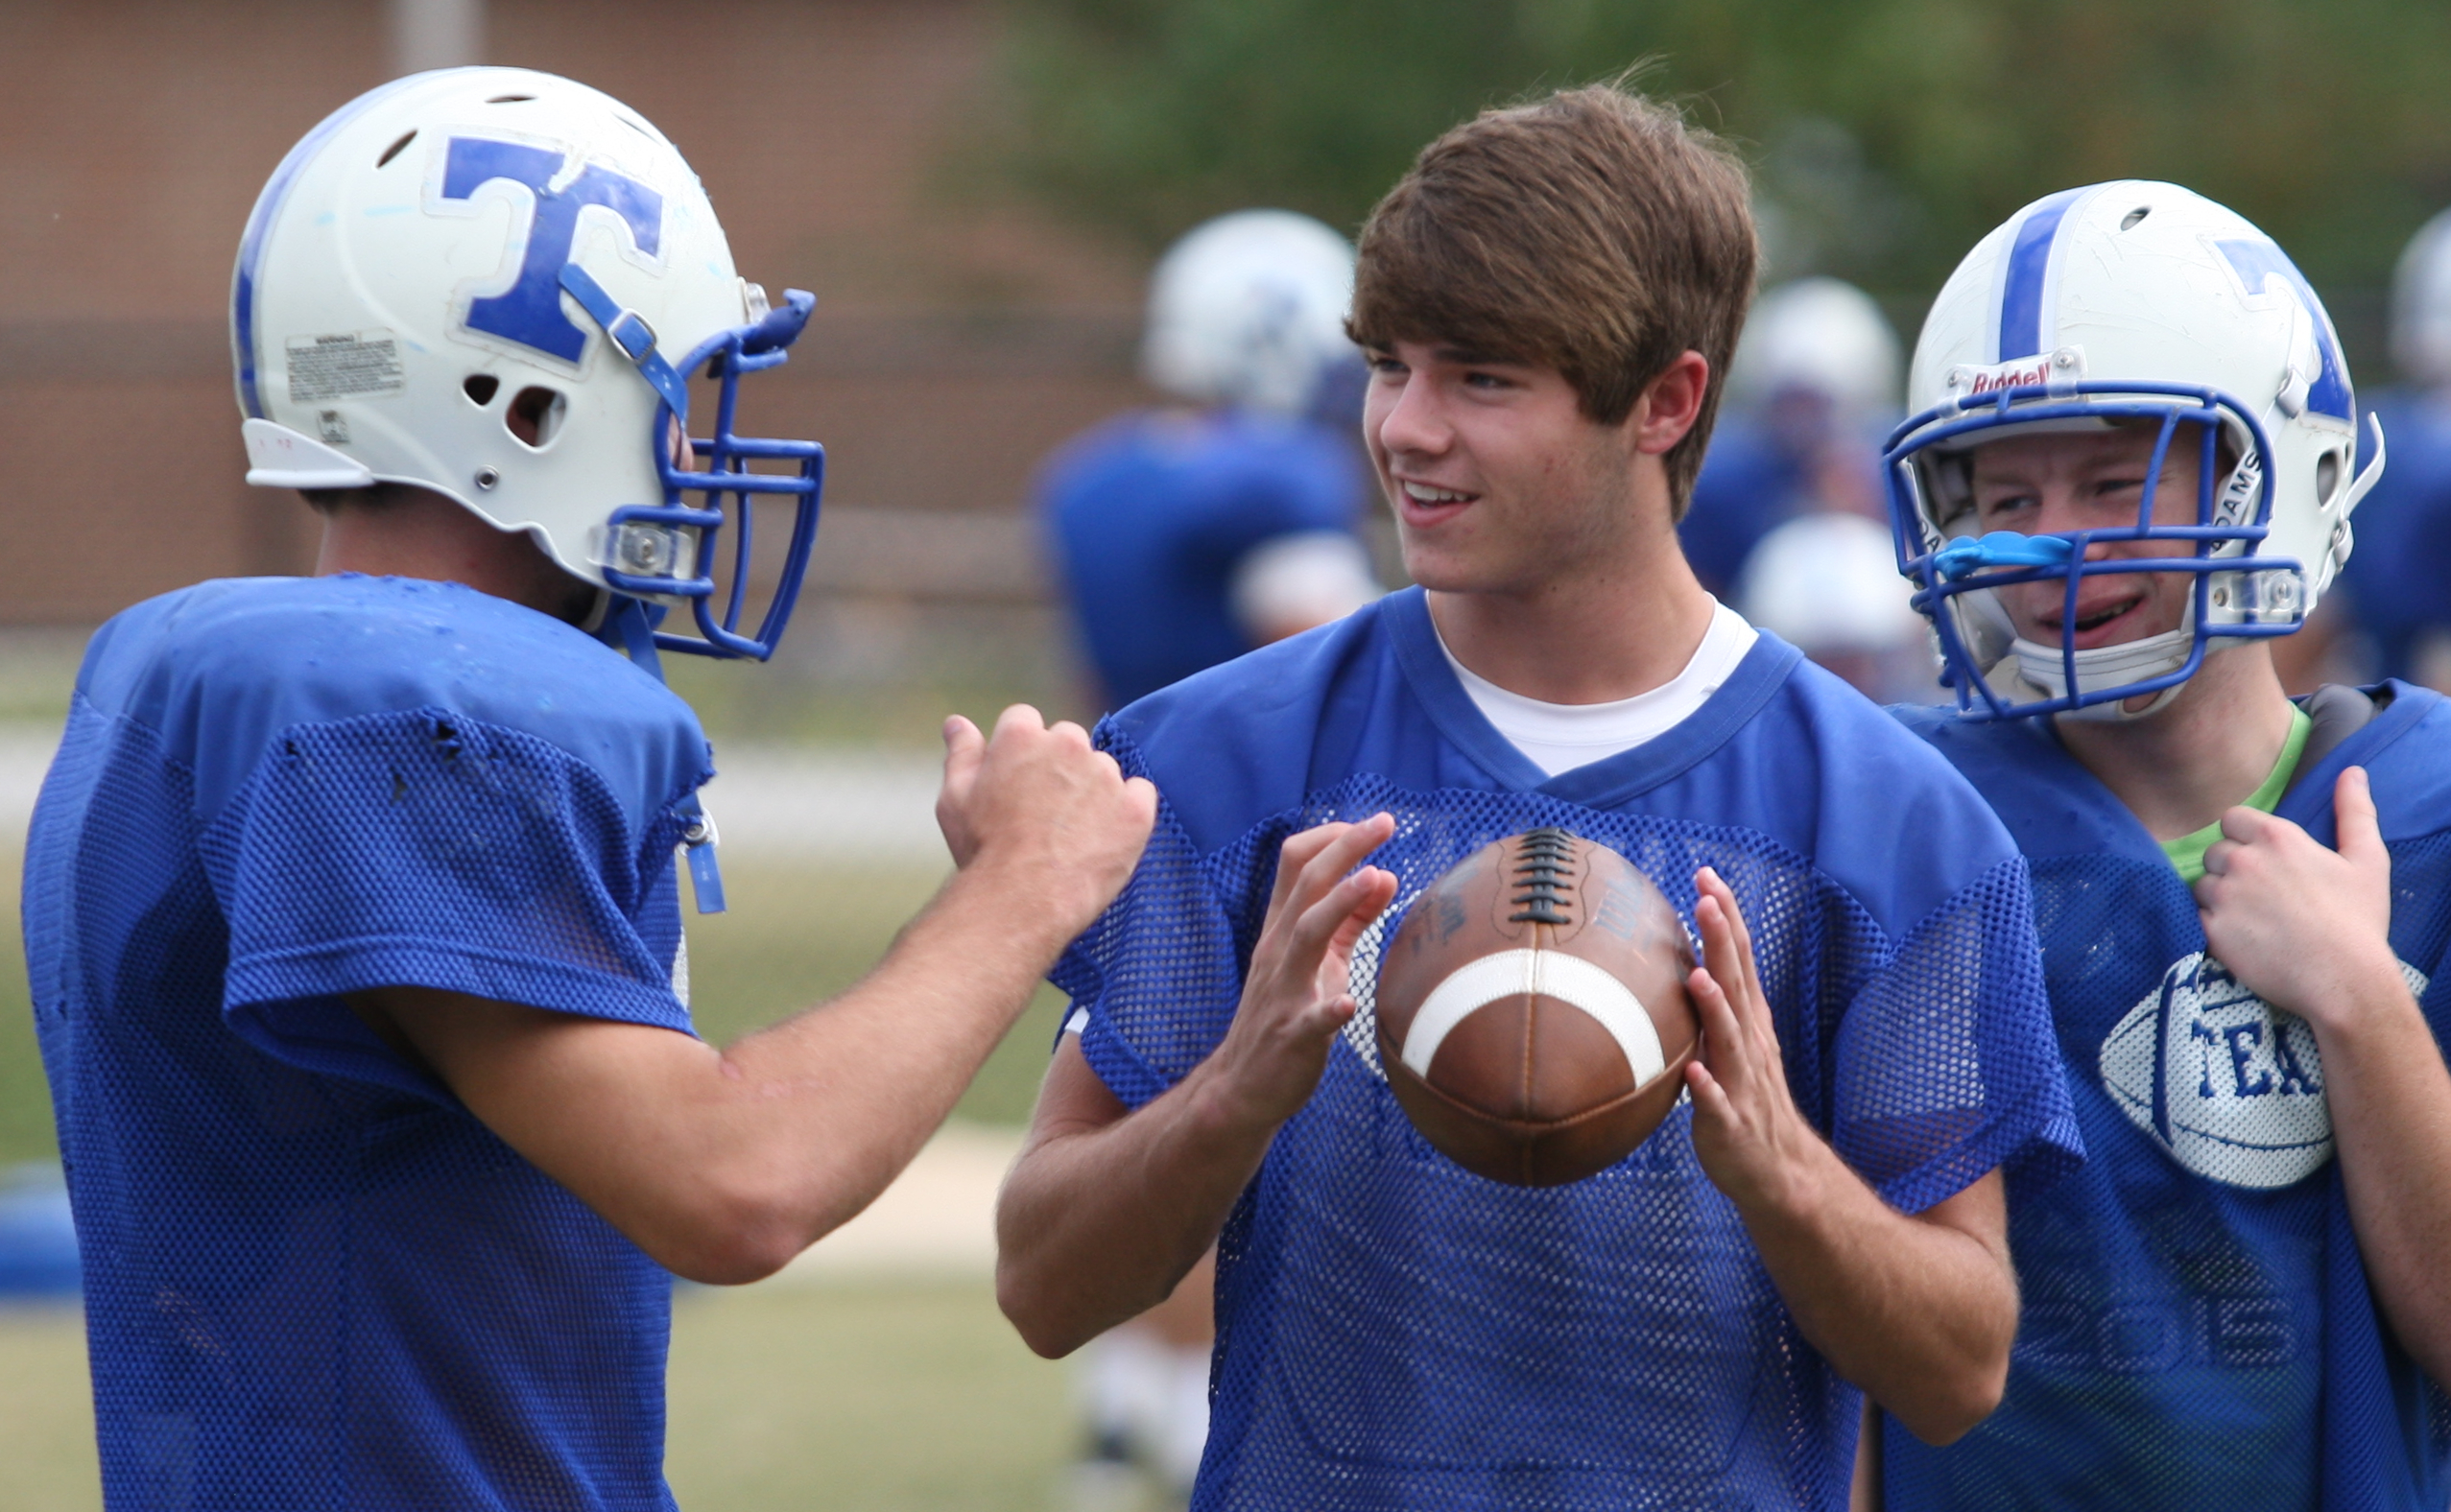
(1248, 310)
(2421, 305)
(496, 284)
(2140, 303)
(1823, 336)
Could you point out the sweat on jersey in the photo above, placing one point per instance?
(313, 1279)
(2198, 1330)
(1396, 1333)
(1150, 514)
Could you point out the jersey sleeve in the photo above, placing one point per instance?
(428, 849)
(1155, 981)
(1946, 1065)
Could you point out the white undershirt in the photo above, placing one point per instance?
(1560, 736)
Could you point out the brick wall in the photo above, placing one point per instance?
(957, 336)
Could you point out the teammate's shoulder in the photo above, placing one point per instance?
(2405, 751)
(218, 669)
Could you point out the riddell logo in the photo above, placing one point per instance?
(2065, 365)
(2024, 377)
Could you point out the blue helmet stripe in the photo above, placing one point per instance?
(2028, 260)
(259, 225)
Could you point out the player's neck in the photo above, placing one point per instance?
(421, 535)
(1595, 634)
(2216, 744)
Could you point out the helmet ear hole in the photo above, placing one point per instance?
(534, 414)
(480, 389)
(2327, 476)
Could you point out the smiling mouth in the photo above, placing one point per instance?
(2092, 623)
(1426, 504)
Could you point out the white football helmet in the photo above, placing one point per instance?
(2125, 302)
(1248, 310)
(2421, 305)
(495, 284)
(1825, 335)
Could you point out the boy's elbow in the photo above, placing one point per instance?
(1025, 1307)
(1960, 1402)
(730, 1238)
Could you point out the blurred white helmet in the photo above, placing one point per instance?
(1248, 310)
(1823, 336)
(2421, 305)
(495, 284)
(2133, 301)
(1828, 582)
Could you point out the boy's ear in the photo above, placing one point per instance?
(1670, 404)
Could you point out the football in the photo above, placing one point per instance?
(1532, 1011)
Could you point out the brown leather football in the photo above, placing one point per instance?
(1532, 1011)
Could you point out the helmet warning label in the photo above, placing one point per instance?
(349, 365)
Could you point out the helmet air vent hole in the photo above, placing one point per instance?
(480, 389)
(396, 148)
(2127, 222)
(509, 98)
(535, 416)
(2327, 476)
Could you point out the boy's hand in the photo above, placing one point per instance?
(2306, 929)
(1752, 1143)
(1039, 805)
(1297, 995)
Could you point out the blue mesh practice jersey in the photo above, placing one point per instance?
(313, 1281)
(2198, 1330)
(1150, 514)
(1396, 1333)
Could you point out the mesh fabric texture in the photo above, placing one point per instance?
(313, 1280)
(1396, 1333)
(2190, 1339)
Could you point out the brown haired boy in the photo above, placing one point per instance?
(1547, 300)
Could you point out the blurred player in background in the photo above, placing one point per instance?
(1546, 298)
(2399, 581)
(1812, 388)
(1827, 584)
(352, 916)
(1186, 536)
(2133, 468)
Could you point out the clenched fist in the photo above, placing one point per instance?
(1037, 806)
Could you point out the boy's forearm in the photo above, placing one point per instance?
(1919, 1311)
(895, 1051)
(1097, 1223)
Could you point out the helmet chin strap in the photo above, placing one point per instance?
(2039, 666)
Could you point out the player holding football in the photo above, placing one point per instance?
(351, 908)
(2133, 465)
(1547, 298)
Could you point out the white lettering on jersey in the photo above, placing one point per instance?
(2231, 1086)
